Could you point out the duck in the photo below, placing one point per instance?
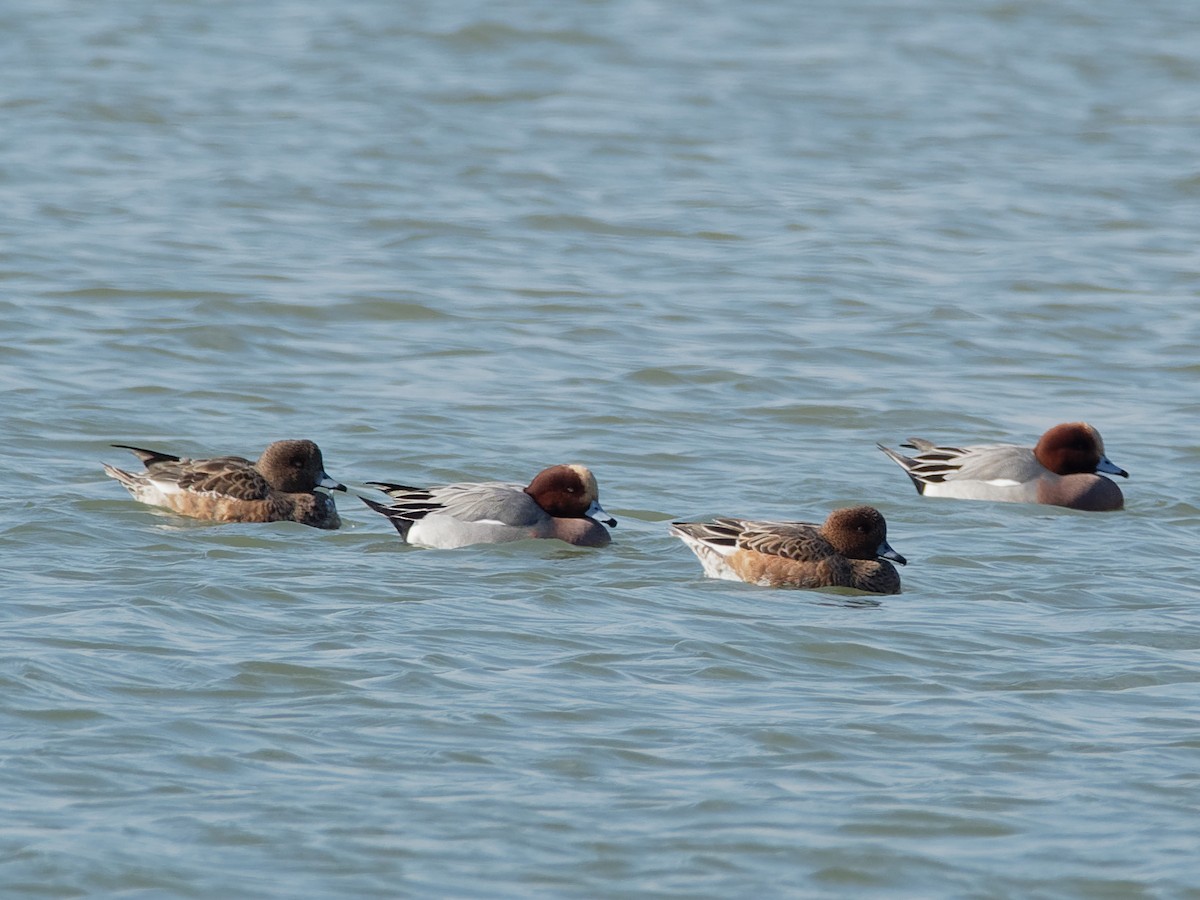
(849, 550)
(1062, 469)
(280, 486)
(561, 502)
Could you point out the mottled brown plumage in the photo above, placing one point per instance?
(849, 550)
(279, 486)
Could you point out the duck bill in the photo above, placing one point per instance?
(1107, 465)
(885, 551)
(329, 484)
(596, 513)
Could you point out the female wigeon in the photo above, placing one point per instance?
(278, 487)
(1059, 471)
(561, 502)
(850, 550)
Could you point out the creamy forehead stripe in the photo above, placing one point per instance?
(589, 480)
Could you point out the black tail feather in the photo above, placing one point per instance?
(396, 517)
(148, 457)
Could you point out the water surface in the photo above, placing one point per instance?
(715, 252)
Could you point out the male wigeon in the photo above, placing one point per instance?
(850, 550)
(561, 502)
(279, 487)
(1059, 471)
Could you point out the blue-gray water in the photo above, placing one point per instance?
(715, 251)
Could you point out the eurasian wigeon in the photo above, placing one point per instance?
(278, 487)
(850, 551)
(1059, 471)
(561, 502)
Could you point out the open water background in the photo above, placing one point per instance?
(713, 250)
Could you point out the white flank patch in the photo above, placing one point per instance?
(712, 558)
(155, 493)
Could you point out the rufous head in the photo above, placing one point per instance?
(1075, 448)
(569, 492)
